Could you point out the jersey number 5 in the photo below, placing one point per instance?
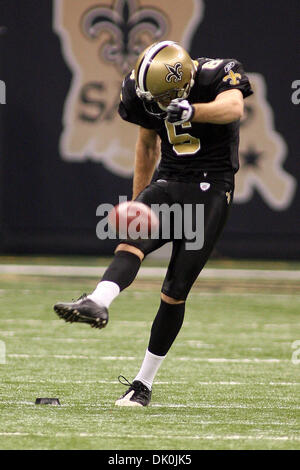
(183, 144)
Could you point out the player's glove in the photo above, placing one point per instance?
(180, 111)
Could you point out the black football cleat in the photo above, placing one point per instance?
(137, 394)
(83, 310)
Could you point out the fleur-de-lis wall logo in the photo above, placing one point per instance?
(126, 25)
(100, 42)
(175, 72)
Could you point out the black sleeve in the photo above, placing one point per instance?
(131, 107)
(231, 75)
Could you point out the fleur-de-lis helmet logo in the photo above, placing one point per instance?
(175, 72)
(128, 25)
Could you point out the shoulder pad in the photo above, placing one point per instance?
(128, 88)
(216, 65)
(211, 70)
(222, 75)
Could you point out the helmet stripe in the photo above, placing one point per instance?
(145, 63)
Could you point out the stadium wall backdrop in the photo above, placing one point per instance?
(64, 150)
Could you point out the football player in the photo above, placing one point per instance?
(188, 111)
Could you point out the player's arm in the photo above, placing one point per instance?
(227, 107)
(146, 155)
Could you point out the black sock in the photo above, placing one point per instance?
(123, 269)
(165, 327)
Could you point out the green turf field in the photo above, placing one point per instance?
(228, 382)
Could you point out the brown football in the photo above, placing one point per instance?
(132, 219)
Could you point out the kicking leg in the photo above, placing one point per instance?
(93, 309)
(119, 275)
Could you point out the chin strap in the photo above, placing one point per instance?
(144, 95)
(150, 109)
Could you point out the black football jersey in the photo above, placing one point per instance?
(192, 148)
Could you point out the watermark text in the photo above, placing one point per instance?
(174, 222)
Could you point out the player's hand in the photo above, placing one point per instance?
(180, 111)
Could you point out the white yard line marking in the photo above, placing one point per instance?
(33, 321)
(225, 359)
(64, 340)
(158, 436)
(132, 358)
(257, 295)
(148, 272)
(201, 406)
(250, 383)
(72, 356)
(225, 407)
(115, 382)
(193, 420)
(28, 321)
(141, 294)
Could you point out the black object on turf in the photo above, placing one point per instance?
(47, 401)
(84, 310)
